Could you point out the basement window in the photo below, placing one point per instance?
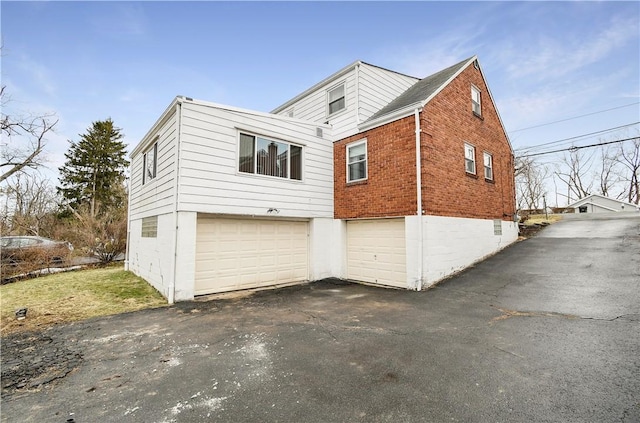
(262, 156)
(150, 227)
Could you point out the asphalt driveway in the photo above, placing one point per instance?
(546, 331)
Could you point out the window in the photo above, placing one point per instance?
(335, 99)
(488, 166)
(470, 158)
(357, 161)
(150, 164)
(476, 105)
(263, 156)
(150, 227)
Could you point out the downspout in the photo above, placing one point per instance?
(128, 250)
(419, 202)
(174, 273)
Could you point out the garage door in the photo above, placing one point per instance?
(248, 253)
(376, 251)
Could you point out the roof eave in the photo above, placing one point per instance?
(391, 117)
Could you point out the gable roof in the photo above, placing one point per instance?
(422, 91)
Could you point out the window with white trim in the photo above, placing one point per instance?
(149, 227)
(476, 105)
(335, 99)
(357, 161)
(488, 166)
(150, 164)
(262, 156)
(470, 158)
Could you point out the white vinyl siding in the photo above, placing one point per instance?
(372, 90)
(157, 197)
(234, 254)
(210, 181)
(470, 159)
(378, 87)
(376, 252)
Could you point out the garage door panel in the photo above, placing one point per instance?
(240, 253)
(376, 251)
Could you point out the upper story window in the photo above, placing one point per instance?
(262, 156)
(357, 161)
(488, 166)
(150, 164)
(470, 158)
(476, 105)
(335, 99)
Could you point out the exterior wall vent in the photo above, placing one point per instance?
(319, 132)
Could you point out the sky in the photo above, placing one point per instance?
(574, 62)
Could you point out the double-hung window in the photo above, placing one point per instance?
(335, 99)
(488, 166)
(263, 156)
(150, 164)
(476, 105)
(357, 161)
(470, 159)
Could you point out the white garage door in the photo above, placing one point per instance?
(248, 253)
(376, 251)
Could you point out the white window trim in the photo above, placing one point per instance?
(475, 167)
(255, 173)
(474, 90)
(342, 84)
(490, 156)
(145, 178)
(366, 159)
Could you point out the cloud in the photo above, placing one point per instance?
(121, 20)
(39, 74)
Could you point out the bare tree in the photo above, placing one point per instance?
(23, 139)
(575, 172)
(607, 171)
(630, 158)
(29, 205)
(531, 178)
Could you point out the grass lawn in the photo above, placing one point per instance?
(541, 219)
(72, 296)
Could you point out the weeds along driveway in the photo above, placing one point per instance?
(546, 331)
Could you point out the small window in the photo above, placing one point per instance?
(476, 105)
(262, 156)
(488, 166)
(150, 164)
(150, 227)
(470, 158)
(357, 161)
(335, 99)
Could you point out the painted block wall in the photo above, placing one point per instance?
(152, 258)
(452, 244)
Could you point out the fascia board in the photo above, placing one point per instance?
(391, 117)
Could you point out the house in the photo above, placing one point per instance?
(369, 175)
(596, 203)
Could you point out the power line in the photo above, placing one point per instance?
(576, 148)
(576, 137)
(574, 117)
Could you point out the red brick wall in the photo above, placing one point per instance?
(447, 122)
(390, 187)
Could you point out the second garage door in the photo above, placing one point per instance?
(236, 254)
(376, 251)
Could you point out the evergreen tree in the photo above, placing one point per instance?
(94, 171)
